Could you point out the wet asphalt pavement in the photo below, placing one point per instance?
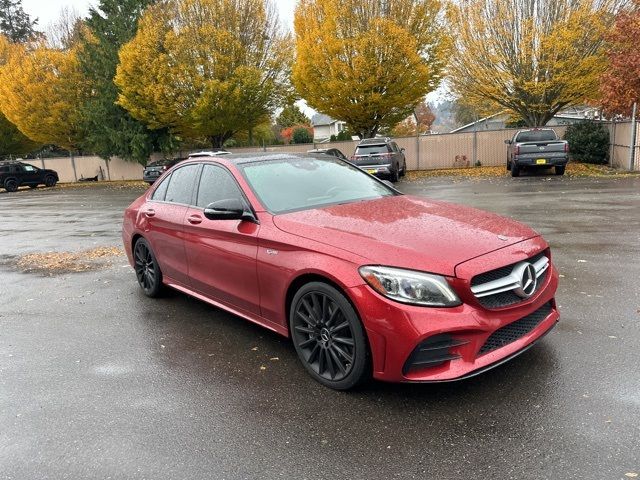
(97, 381)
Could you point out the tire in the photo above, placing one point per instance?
(328, 336)
(508, 165)
(560, 170)
(147, 269)
(50, 181)
(403, 172)
(394, 176)
(11, 185)
(515, 170)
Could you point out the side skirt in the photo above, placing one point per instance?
(263, 322)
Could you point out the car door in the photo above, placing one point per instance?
(30, 175)
(164, 216)
(222, 253)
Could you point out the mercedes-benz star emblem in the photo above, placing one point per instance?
(528, 281)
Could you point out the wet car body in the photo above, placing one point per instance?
(254, 266)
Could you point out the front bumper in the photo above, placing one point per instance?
(395, 330)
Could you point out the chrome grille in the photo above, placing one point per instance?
(503, 286)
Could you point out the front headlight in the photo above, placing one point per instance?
(408, 286)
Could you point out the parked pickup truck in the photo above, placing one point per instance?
(536, 148)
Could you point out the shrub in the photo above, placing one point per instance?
(588, 142)
(301, 135)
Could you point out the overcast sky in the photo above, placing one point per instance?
(48, 10)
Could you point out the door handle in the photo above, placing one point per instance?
(194, 219)
(150, 212)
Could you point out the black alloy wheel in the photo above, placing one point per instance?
(50, 181)
(147, 269)
(11, 185)
(328, 336)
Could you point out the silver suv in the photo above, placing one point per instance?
(381, 157)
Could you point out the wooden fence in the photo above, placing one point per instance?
(426, 152)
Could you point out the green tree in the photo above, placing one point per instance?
(205, 68)
(291, 115)
(301, 135)
(588, 142)
(12, 141)
(368, 62)
(109, 130)
(15, 24)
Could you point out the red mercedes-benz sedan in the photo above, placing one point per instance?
(365, 280)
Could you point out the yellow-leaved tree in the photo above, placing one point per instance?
(531, 58)
(41, 90)
(12, 140)
(368, 62)
(205, 68)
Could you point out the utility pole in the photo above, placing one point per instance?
(632, 143)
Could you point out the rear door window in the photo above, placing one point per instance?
(161, 190)
(180, 189)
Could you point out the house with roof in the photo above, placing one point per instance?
(324, 127)
(498, 121)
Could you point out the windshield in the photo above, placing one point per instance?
(536, 136)
(371, 149)
(289, 184)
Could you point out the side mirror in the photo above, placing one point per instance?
(402, 150)
(508, 142)
(227, 209)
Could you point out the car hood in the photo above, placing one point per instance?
(408, 232)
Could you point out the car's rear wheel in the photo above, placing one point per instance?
(147, 269)
(11, 185)
(515, 170)
(50, 181)
(328, 336)
(403, 172)
(560, 170)
(394, 176)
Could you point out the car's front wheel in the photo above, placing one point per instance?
(328, 336)
(515, 170)
(560, 170)
(147, 269)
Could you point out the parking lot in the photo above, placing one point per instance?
(98, 381)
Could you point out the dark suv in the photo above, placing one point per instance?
(380, 157)
(17, 174)
(154, 169)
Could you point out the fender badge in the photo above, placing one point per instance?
(503, 238)
(272, 252)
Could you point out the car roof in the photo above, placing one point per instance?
(209, 153)
(374, 141)
(258, 157)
